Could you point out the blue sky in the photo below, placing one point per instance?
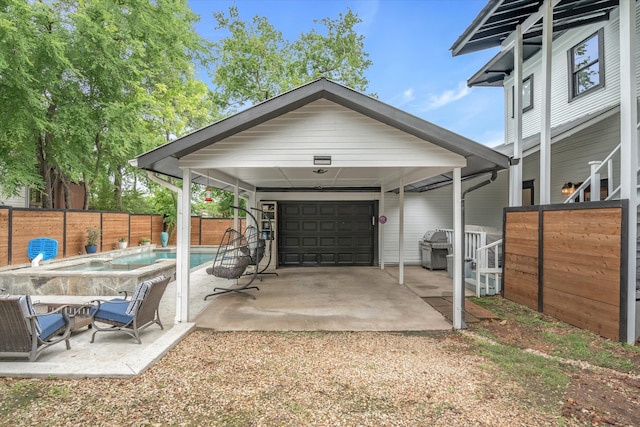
(408, 42)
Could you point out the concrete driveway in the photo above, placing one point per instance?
(332, 299)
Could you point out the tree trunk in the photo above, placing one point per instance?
(117, 191)
(87, 193)
(45, 172)
(65, 189)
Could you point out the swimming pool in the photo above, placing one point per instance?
(101, 274)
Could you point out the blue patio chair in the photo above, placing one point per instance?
(130, 315)
(24, 333)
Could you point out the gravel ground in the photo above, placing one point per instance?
(289, 379)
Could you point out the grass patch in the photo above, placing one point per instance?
(581, 346)
(19, 395)
(525, 328)
(544, 380)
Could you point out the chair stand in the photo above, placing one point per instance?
(130, 329)
(220, 291)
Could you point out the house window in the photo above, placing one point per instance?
(527, 96)
(586, 65)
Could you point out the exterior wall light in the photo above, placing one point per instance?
(322, 160)
(568, 188)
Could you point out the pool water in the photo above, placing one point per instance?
(131, 262)
(147, 258)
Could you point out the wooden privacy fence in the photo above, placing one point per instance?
(69, 227)
(569, 261)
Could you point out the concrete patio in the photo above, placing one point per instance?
(298, 299)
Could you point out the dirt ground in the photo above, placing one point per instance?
(595, 396)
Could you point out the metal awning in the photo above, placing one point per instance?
(499, 19)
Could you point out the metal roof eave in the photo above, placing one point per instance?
(569, 14)
(495, 24)
(460, 46)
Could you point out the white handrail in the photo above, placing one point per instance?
(608, 161)
(472, 241)
(483, 269)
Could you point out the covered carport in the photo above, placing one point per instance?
(327, 144)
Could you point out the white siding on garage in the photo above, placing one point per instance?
(353, 139)
(434, 209)
(422, 212)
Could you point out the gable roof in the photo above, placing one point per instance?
(165, 159)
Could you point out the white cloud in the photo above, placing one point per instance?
(401, 99)
(408, 96)
(446, 97)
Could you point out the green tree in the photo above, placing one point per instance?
(89, 85)
(338, 55)
(254, 62)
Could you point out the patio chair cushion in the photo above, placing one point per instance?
(27, 310)
(140, 293)
(114, 310)
(50, 324)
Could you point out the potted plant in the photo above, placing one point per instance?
(93, 236)
(169, 219)
(144, 241)
(122, 242)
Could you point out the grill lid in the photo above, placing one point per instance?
(435, 236)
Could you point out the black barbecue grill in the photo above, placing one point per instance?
(434, 248)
